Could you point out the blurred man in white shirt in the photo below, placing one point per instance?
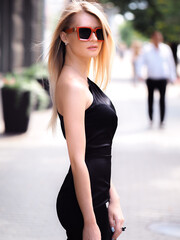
(158, 59)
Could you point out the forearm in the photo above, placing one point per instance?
(114, 197)
(116, 218)
(83, 190)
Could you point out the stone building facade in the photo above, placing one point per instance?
(21, 30)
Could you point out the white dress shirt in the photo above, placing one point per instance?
(159, 62)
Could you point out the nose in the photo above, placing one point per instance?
(93, 37)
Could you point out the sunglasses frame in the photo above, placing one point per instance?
(76, 29)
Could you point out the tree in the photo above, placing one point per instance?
(150, 15)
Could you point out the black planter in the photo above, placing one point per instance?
(16, 110)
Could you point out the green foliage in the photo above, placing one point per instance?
(21, 83)
(37, 71)
(169, 24)
(162, 15)
(123, 4)
(128, 34)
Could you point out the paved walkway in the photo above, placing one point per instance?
(146, 169)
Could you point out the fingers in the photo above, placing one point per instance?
(111, 221)
(118, 228)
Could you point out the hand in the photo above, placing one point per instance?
(177, 80)
(141, 79)
(169, 81)
(91, 232)
(116, 218)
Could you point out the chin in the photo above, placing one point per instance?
(93, 53)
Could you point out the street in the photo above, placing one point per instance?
(145, 169)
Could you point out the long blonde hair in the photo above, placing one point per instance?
(101, 64)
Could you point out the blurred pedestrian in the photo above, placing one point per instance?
(88, 121)
(136, 51)
(174, 48)
(120, 49)
(158, 59)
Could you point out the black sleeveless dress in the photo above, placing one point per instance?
(100, 126)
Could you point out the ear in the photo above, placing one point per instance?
(63, 37)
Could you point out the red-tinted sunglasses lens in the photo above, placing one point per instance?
(85, 33)
(99, 34)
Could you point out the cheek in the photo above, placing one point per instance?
(78, 48)
(74, 44)
(100, 47)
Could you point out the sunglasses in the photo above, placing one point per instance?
(84, 33)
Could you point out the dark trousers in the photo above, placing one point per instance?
(160, 85)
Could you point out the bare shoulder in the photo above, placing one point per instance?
(69, 84)
(70, 92)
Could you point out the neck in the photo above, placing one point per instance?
(156, 44)
(80, 65)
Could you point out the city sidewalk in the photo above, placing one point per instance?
(145, 169)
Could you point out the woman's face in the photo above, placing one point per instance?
(84, 49)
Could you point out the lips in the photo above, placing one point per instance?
(93, 47)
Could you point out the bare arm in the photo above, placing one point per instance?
(73, 103)
(116, 218)
(141, 63)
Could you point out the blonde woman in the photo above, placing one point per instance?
(88, 121)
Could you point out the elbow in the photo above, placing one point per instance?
(77, 163)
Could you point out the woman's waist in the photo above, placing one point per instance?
(98, 150)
